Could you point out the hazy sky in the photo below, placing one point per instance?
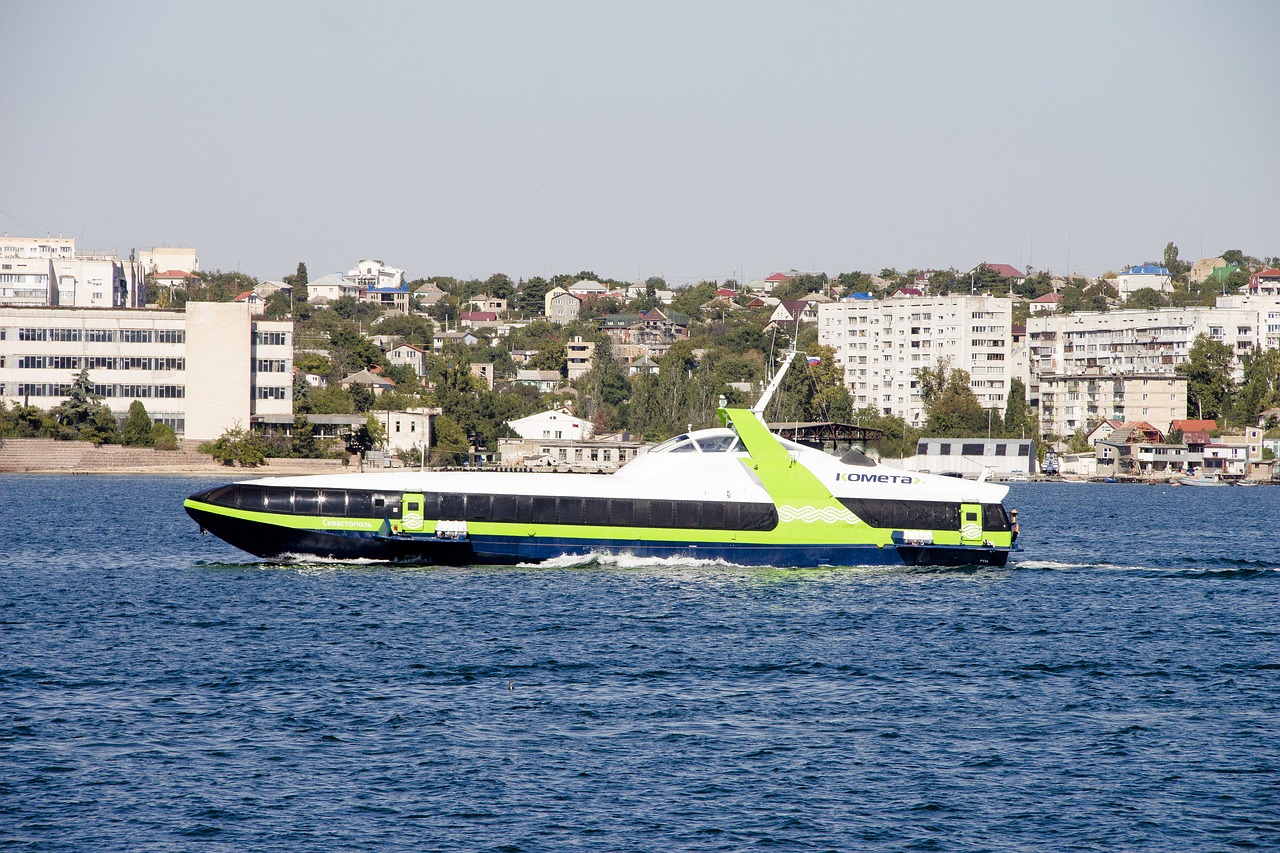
(685, 139)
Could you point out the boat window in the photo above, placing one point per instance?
(306, 501)
(253, 497)
(479, 507)
(687, 447)
(717, 443)
(359, 504)
(669, 443)
(453, 507)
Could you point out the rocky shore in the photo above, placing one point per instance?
(47, 456)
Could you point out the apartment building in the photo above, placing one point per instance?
(1148, 341)
(882, 344)
(201, 370)
(1075, 401)
(38, 271)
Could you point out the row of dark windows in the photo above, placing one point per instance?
(512, 509)
(921, 515)
(602, 512)
(922, 449)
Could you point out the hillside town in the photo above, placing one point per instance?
(1157, 370)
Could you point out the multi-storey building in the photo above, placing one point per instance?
(883, 344)
(1080, 401)
(1152, 341)
(200, 371)
(578, 357)
(49, 271)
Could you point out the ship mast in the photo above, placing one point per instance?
(758, 408)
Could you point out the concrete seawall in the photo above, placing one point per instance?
(46, 456)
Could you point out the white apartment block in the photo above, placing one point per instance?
(161, 259)
(38, 271)
(882, 344)
(1148, 341)
(1072, 402)
(200, 371)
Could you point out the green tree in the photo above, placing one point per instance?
(83, 416)
(1260, 389)
(237, 445)
(951, 407)
(163, 437)
(1017, 415)
(298, 281)
(1175, 266)
(1208, 369)
(1146, 297)
(137, 426)
(449, 445)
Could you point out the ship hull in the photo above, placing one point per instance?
(268, 540)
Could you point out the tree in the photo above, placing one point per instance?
(1260, 389)
(951, 407)
(449, 445)
(298, 281)
(237, 445)
(137, 426)
(83, 416)
(163, 437)
(1017, 419)
(1175, 266)
(1146, 297)
(1208, 370)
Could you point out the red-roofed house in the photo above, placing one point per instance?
(1265, 282)
(478, 319)
(773, 281)
(791, 310)
(255, 302)
(1046, 304)
(174, 278)
(1007, 272)
(907, 293)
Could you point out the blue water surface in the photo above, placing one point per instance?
(1116, 688)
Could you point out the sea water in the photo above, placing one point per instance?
(1116, 687)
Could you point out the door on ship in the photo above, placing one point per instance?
(971, 524)
(411, 512)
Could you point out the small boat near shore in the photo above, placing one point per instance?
(1203, 480)
(738, 494)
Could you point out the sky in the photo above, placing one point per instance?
(689, 140)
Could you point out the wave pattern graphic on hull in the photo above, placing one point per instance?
(813, 515)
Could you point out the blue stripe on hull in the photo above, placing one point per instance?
(502, 549)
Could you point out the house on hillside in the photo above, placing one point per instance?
(579, 355)
(487, 303)
(544, 380)
(1265, 282)
(587, 287)
(256, 303)
(1009, 274)
(379, 385)
(553, 423)
(408, 354)
(427, 295)
(478, 319)
(331, 288)
(441, 339)
(791, 311)
(1138, 277)
(1046, 304)
(560, 306)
